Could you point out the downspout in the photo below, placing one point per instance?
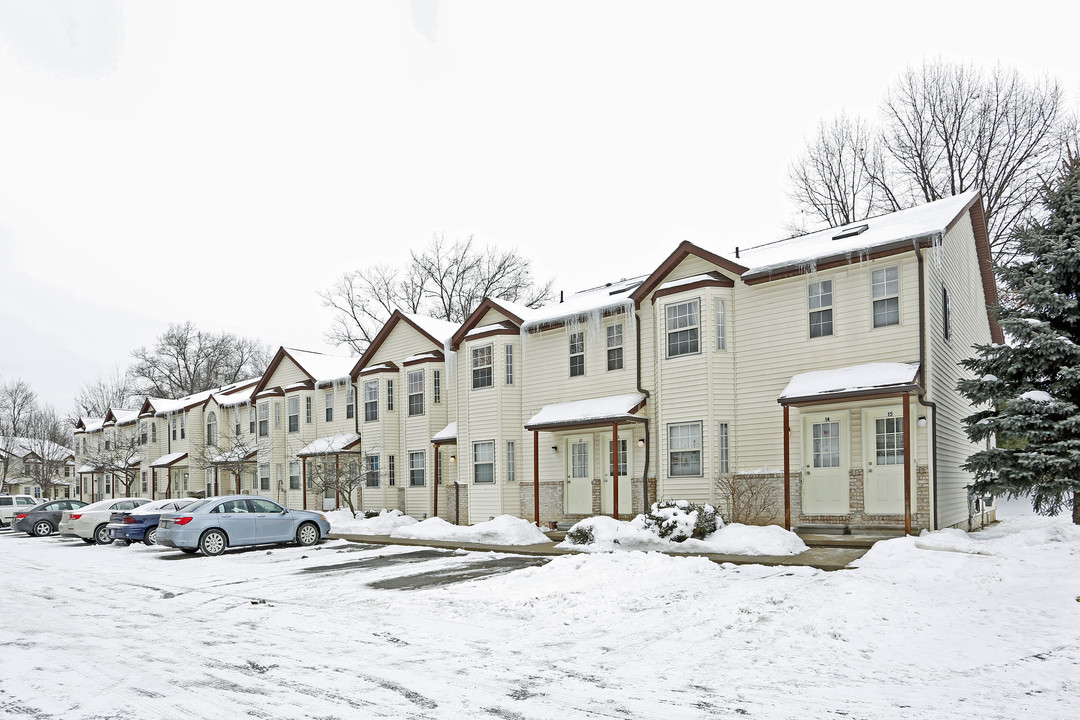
(922, 394)
(645, 470)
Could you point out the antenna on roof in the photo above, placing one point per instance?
(736, 252)
(560, 296)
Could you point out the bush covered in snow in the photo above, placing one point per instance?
(368, 514)
(581, 534)
(680, 520)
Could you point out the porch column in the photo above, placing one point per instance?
(168, 484)
(153, 483)
(435, 486)
(337, 481)
(787, 468)
(907, 463)
(536, 476)
(615, 469)
(303, 479)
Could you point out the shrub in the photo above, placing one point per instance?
(749, 500)
(368, 514)
(680, 520)
(581, 534)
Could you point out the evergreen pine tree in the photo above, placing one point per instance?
(1030, 387)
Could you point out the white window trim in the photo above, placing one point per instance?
(897, 295)
(831, 308)
(700, 450)
(668, 331)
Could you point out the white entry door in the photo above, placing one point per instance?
(825, 458)
(883, 450)
(579, 475)
(607, 494)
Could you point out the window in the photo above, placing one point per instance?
(416, 469)
(391, 476)
(264, 476)
(416, 392)
(826, 438)
(350, 403)
(371, 401)
(577, 353)
(236, 413)
(329, 407)
(614, 347)
(278, 475)
(211, 428)
(294, 474)
(509, 364)
(142, 432)
(172, 422)
(307, 409)
(886, 291)
(277, 415)
(724, 456)
(721, 325)
(255, 479)
(481, 367)
(682, 328)
(371, 471)
(484, 462)
(820, 297)
(436, 390)
(389, 394)
(108, 484)
(264, 420)
(946, 313)
(684, 449)
(144, 483)
(251, 420)
(183, 426)
(294, 414)
(611, 458)
(511, 475)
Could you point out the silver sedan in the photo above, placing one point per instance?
(217, 523)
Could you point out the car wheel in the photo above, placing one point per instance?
(307, 534)
(42, 528)
(150, 538)
(189, 551)
(102, 536)
(212, 542)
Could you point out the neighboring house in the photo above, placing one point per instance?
(40, 468)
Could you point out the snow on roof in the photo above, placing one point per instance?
(848, 379)
(447, 434)
(330, 445)
(916, 222)
(441, 330)
(167, 460)
(322, 367)
(611, 408)
(581, 304)
(380, 366)
(687, 280)
(123, 417)
(165, 406)
(87, 469)
(421, 356)
(488, 328)
(93, 424)
(21, 447)
(234, 397)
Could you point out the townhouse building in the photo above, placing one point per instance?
(36, 467)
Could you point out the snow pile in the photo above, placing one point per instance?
(732, 539)
(503, 530)
(681, 520)
(342, 521)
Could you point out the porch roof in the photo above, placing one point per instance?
(593, 412)
(446, 436)
(168, 460)
(332, 445)
(853, 382)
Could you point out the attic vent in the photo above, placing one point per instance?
(851, 232)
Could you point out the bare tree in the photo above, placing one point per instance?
(18, 403)
(47, 442)
(343, 476)
(114, 390)
(445, 280)
(186, 360)
(748, 500)
(945, 129)
(119, 455)
(230, 451)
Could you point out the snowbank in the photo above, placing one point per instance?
(503, 530)
(342, 521)
(732, 539)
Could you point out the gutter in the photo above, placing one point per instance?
(922, 395)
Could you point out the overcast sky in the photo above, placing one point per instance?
(222, 162)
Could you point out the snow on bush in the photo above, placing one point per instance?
(503, 530)
(382, 522)
(680, 520)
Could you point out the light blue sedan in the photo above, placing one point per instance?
(217, 523)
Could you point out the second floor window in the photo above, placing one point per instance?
(350, 403)
(416, 392)
(436, 389)
(509, 364)
(577, 353)
(211, 428)
(251, 420)
(142, 433)
(682, 328)
(183, 427)
(329, 407)
(173, 422)
(481, 367)
(371, 401)
(307, 409)
(294, 413)
(820, 301)
(264, 420)
(389, 394)
(886, 290)
(614, 347)
(153, 434)
(721, 325)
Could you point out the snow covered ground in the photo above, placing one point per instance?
(948, 625)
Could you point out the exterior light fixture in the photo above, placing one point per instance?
(641, 442)
(453, 458)
(554, 448)
(922, 422)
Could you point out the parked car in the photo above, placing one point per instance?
(90, 523)
(9, 504)
(140, 524)
(214, 524)
(43, 519)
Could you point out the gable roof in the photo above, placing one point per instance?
(164, 406)
(439, 332)
(683, 251)
(319, 367)
(512, 311)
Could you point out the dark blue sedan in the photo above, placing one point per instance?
(141, 524)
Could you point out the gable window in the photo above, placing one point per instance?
(684, 449)
(682, 328)
(509, 364)
(416, 392)
(577, 353)
(886, 291)
(371, 471)
(484, 462)
(416, 469)
(294, 474)
(391, 477)
(329, 407)
(614, 347)
(350, 403)
(389, 394)
(946, 314)
(294, 414)
(481, 367)
(511, 476)
(211, 428)
(307, 409)
(820, 297)
(371, 401)
(436, 390)
(721, 325)
(264, 419)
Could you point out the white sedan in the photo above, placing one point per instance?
(90, 523)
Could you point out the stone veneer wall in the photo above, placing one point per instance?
(856, 517)
(552, 500)
(457, 502)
